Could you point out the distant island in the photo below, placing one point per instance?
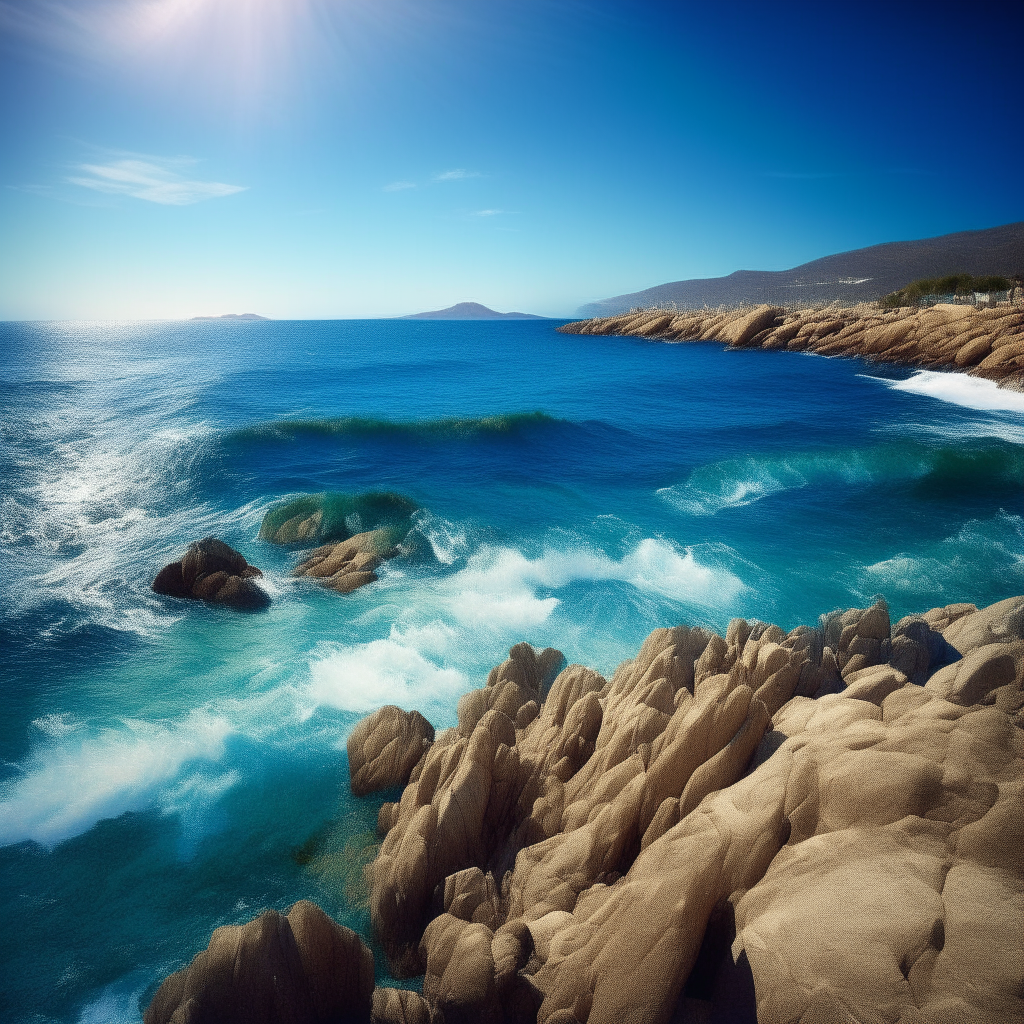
(861, 275)
(233, 316)
(470, 311)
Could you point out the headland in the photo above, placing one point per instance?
(983, 341)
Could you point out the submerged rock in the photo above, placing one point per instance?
(350, 563)
(332, 516)
(301, 968)
(212, 571)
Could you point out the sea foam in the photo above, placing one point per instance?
(67, 787)
(960, 389)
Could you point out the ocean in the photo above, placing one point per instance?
(168, 766)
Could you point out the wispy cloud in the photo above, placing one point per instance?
(153, 179)
(487, 213)
(456, 175)
(399, 186)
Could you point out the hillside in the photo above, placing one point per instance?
(469, 311)
(861, 275)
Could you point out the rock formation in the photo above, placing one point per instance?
(210, 570)
(300, 968)
(983, 342)
(335, 516)
(820, 825)
(385, 747)
(349, 564)
(572, 857)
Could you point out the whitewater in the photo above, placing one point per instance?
(167, 767)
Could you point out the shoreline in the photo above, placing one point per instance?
(981, 342)
(659, 844)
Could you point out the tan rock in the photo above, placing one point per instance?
(740, 330)
(301, 967)
(401, 1006)
(384, 748)
(576, 857)
(348, 564)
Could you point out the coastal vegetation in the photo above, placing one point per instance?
(941, 287)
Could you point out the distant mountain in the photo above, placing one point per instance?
(861, 275)
(233, 316)
(470, 311)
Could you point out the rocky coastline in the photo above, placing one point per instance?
(824, 824)
(984, 342)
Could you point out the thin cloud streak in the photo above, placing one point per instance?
(399, 186)
(152, 180)
(487, 213)
(456, 175)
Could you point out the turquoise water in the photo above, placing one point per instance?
(166, 767)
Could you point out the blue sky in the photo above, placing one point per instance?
(348, 158)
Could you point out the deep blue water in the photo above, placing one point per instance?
(166, 767)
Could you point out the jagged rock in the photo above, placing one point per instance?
(859, 637)
(350, 563)
(212, 571)
(918, 648)
(837, 851)
(591, 770)
(385, 747)
(301, 968)
(400, 1006)
(557, 857)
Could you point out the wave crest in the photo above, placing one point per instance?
(443, 428)
(932, 471)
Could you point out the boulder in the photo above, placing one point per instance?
(350, 563)
(212, 571)
(384, 748)
(302, 968)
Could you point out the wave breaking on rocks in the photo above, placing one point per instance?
(825, 824)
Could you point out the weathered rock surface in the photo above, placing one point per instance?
(983, 342)
(400, 1006)
(350, 563)
(210, 570)
(558, 857)
(296, 969)
(770, 826)
(384, 748)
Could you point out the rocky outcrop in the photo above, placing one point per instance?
(787, 815)
(765, 826)
(212, 571)
(983, 342)
(350, 563)
(300, 968)
(385, 747)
